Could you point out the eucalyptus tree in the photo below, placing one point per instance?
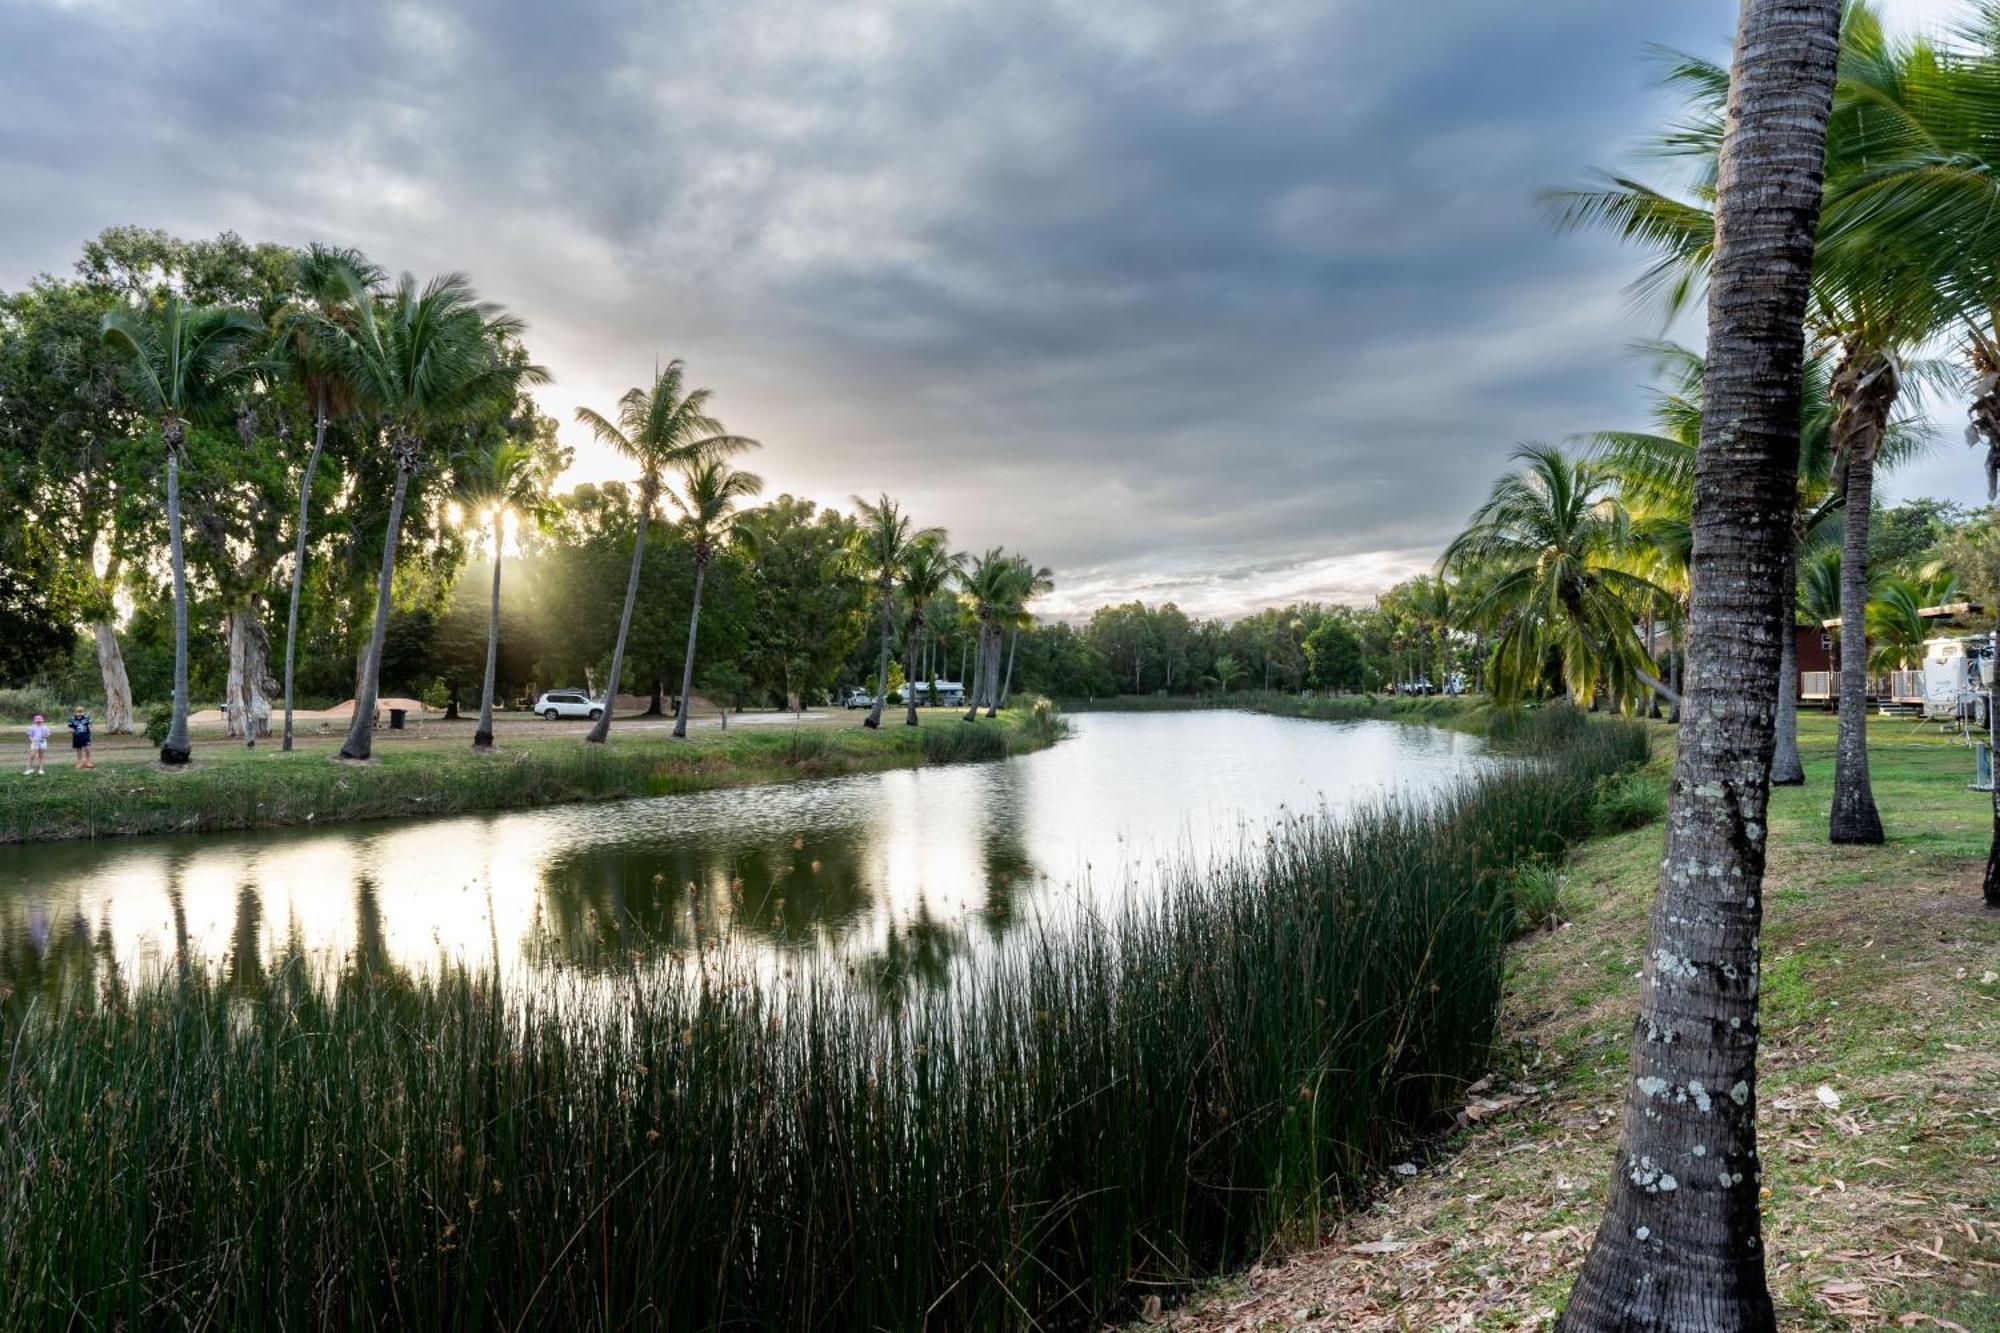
(305, 347)
(666, 426)
(1034, 581)
(418, 358)
(1551, 541)
(928, 569)
(882, 547)
(708, 497)
(178, 361)
(503, 476)
(1680, 1247)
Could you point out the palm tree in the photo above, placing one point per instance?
(882, 549)
(1035, 581)
(709, 493)
(305, 350)
(667, 426)
(928, 568)
(1680, 1246)
(1877, 289)
(1656, 483)
(1229, 673)
(419, 358)
(991, 585)
(505, 475)
(177, 368)
(1551, 539)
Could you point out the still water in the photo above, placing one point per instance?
(915, 868)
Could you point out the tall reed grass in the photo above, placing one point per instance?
(1102, 1110)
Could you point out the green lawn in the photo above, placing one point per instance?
(233, 787)
(1882, 984)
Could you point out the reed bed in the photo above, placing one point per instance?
(1096, 1112)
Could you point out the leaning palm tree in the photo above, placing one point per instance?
(882, 548)
(177, 368)
(710, 491)
(667, 426)
(418, 359)
(1679, 1247)
(928, 568)
(1035, 581)
(305, 344)
(505, 476)
(1551, 540)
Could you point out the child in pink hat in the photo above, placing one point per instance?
(38, 746)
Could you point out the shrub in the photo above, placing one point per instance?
(1628, 801)
(1537, 895)
(159, 721)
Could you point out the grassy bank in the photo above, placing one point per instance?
(1469, 712)
(1882, 986)
(230, 787)
(1100, 1113)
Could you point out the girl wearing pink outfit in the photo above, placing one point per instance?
(38, 746)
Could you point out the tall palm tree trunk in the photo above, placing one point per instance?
(175, 750)
(874, 718)
(911, 653)
(1007, 685)
(1855, 818)
(299, 560)
(361, 728)
(1680, 1250)
(600, 731)
(972, 690)
(1788, 769)
(993, 674)
(482, 737)
(1990, 886)
(687, 661)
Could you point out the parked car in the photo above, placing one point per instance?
(557, 704)
(860, 699)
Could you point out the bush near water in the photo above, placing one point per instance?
(1103, 1111)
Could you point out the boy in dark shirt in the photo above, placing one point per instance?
(79, 736)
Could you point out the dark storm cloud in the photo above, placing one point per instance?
(1231, 302)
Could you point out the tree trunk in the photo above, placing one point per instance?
(874, 718)
(992, 686)
(978, 674)
(247, 702)
(1788, 769)
(656, 702)
(361, 729)
(1854, 819)
(1007, 685)
(117, 685)
(912, 652)
(1680, 1250)
(1990, 887)
(482, 735)
(687, 662)
(299, 559)
(601, 730)
(175, 750)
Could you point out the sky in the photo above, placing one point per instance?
(1225, 302)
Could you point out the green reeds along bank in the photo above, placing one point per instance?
(1109, 1107)
(231, 789)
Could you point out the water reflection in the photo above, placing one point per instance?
(898, 876)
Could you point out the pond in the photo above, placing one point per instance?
(913, 868)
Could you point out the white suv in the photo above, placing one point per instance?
(557, 704)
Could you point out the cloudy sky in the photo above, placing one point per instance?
(1230, 301)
